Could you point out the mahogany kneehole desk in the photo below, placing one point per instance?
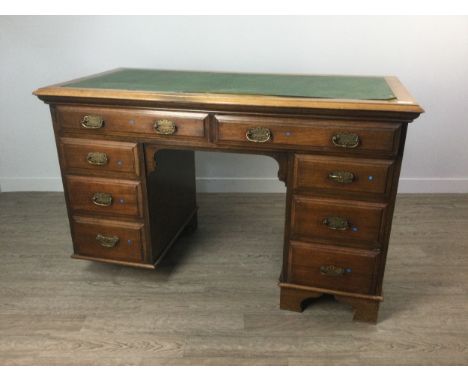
(126, 142)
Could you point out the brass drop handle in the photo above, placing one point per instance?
(341, 176)
(102, 199)
(258, 134)
(97, 158)
(107, 241)
(165, 127)
(92, 122)
(336, 223)
(346, 140)
(332, 270)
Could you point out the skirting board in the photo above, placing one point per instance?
(267, 185)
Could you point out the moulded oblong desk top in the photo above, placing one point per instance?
(288, 90)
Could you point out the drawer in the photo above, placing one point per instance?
(342, 174)
(154, 123)
(330, 267)
(337, 221)
(107, 239)
(105, 196)
(310, 134)
(99, 156)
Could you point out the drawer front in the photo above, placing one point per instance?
(337, 221)
(106, 196)
(330, 267)
(163, 124)
(107, 239)
(310, 134)
(100, 156)
(342, 174)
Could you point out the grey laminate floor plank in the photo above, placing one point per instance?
(214, 301)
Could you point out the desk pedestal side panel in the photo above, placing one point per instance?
(171, 196)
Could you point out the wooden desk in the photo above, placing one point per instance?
(126, 142)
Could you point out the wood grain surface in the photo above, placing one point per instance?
(403, 103)
(129, 121)
(311, 134)
(213, 301)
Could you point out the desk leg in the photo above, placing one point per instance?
(365, 310)
(296, 299)
(171, 196)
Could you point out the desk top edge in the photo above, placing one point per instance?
(403, 102)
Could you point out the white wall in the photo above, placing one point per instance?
(428, 54)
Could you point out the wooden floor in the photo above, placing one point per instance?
(215, 300)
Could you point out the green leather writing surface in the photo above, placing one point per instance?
(164, 81)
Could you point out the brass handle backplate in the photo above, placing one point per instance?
(102, 199)
(332, 270)
(341, 176)
(97, 159)
(336, 222)
(92, 122)
(165, 127)
(107, 241)
(347, 140)
(258, 134)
